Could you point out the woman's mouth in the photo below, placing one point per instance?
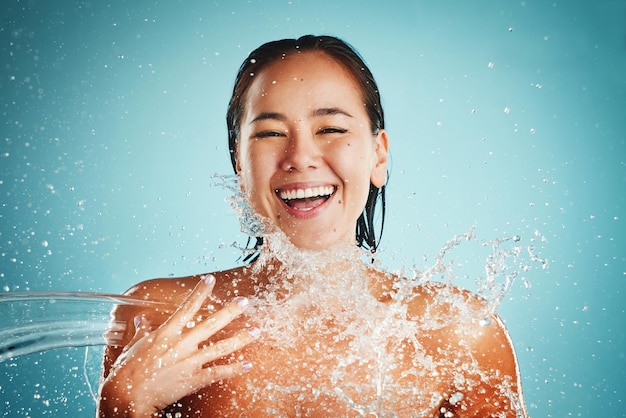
(306, 199)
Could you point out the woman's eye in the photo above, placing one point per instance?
(268, 134)
(332, 131)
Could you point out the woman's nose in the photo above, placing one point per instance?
(301, 153)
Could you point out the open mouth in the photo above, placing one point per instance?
(306, 199)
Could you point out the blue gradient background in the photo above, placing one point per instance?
(506, 115)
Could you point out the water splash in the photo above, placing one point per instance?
(323, 296)
(354, 341)
(34, 322)
(325, 299)
(251, 223)
(506, 260)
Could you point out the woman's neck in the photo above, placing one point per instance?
(280, 255)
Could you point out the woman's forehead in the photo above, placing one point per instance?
(310, 74)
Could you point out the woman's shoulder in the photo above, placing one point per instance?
(162, 289)
(175, 289)
(444, 298)
(444, 309)
(458, 323)
(420, 295)
(461, 317)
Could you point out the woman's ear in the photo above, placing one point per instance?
(378, 176)
(237, 163)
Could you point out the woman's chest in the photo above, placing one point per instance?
(323, 371)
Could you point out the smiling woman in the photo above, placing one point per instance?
(504, 119)
(309, 328)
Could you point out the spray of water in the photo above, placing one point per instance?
(357, 342)
(40, 321)
(325, 299)
(323, 296)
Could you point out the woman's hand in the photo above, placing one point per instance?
(159, 367)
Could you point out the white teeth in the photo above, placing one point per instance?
(305, 193)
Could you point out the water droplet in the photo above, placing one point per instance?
(456, 398)
(484, 322)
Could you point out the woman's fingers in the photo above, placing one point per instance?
(205, 376)
(142, 328)
(186, 329)
(192, 303)
(223, 372)
(218, 320)
(225, 347)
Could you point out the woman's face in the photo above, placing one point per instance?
(306, 152)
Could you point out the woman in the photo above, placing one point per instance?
(324, 331)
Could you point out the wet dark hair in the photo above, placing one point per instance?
(343, 54)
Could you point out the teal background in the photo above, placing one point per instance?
(509, 116)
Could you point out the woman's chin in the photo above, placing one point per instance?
(310, 234)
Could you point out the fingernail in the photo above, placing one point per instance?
(243, 302)
(137, 321)
(209, 279)
(246, 366)
(254, 333)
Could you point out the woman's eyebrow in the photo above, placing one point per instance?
(268, 115)
(323, 111)
(326, 111)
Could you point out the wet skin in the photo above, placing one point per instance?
(455, 343)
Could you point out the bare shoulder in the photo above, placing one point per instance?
(164, 290)
(466, 318)
(459, 329)
(453, 320)
(174, 290)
